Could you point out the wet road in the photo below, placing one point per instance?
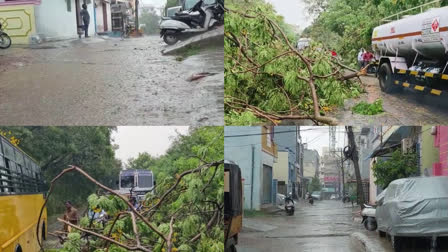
(324, 226)
(110, 82)
(402, 108)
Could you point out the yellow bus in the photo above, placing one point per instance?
(21, 198)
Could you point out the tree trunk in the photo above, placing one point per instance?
(355, 159)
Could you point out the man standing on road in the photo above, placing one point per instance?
(360, 58)
(70, 215)
(85, 19)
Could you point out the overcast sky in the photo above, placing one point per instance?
(157, 3)
(294, 12)
(318, 137)
(133, 140)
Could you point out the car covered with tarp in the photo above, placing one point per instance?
(414, 207)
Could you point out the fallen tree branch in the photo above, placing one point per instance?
(104, 237)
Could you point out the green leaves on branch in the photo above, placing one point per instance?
(399, 165)
(365, 108)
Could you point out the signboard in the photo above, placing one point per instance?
(431, 30)
(331, 179)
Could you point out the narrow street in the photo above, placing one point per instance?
(402, 108)
(324, 226)
(109, 81)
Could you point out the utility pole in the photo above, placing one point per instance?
(137, 26)
(353, 155)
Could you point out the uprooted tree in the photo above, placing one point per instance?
(268, 78)
(185, 213)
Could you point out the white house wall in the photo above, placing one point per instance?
(55, 22)
(100, 19)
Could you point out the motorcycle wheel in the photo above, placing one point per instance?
(370, 224)
(170, 38)
(5, 41)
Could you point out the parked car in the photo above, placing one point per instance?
(413, 207)
(316, 195)
(333, 197)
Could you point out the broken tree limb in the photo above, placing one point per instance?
(136, 248)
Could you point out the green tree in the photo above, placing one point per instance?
(314, 185)
(398, 166)
(54, 148)
(143, 161)
(151, 20)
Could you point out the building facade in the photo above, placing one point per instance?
(253, 149)
(33, 21)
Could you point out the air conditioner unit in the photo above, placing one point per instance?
(434, 130)
(406, 144)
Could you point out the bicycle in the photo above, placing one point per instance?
(5, 40)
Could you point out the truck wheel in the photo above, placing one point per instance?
(385, 78)
(381, 233)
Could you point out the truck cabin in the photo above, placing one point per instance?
(136, 182)
(233, 203)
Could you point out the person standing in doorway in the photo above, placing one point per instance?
(85, 19)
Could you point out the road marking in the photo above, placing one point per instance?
(401, 71)
(414, 73)
(419, 88)
(405, 84)
(397, 82)
(431, 75)
(436, 92)
(445, 77)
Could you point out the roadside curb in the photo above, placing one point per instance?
(361, 240)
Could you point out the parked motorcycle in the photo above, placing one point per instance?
(289, 205)
(5, 40)
(368, 217)
(345, 198)
(189, 23)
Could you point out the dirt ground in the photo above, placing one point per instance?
(402, 108)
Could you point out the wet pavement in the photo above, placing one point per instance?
(402, 108)
(109, 81)
(324, 226)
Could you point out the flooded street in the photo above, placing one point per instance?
(324, 226)
(402, 108)
(109, 81)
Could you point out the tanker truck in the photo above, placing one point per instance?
(413, 52)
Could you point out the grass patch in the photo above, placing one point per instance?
(365, 108)
(189, 51)
(253, 213)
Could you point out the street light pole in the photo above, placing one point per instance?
(136, 17)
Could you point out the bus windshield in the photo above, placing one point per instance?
(127, 181)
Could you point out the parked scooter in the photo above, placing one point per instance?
(345, 198)
(189, 23)
(289, 205)
(368, 217)
(5, 40)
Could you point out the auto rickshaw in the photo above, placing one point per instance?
(233, 205)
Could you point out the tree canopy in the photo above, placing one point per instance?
(347, 25)
(398, 166)
(54, 148)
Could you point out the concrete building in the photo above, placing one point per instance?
(440, 167)
(103, 16)
(255, 152)
(286, 138)
(280, 173)
(50, 20)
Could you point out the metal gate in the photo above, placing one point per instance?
(267, 184)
